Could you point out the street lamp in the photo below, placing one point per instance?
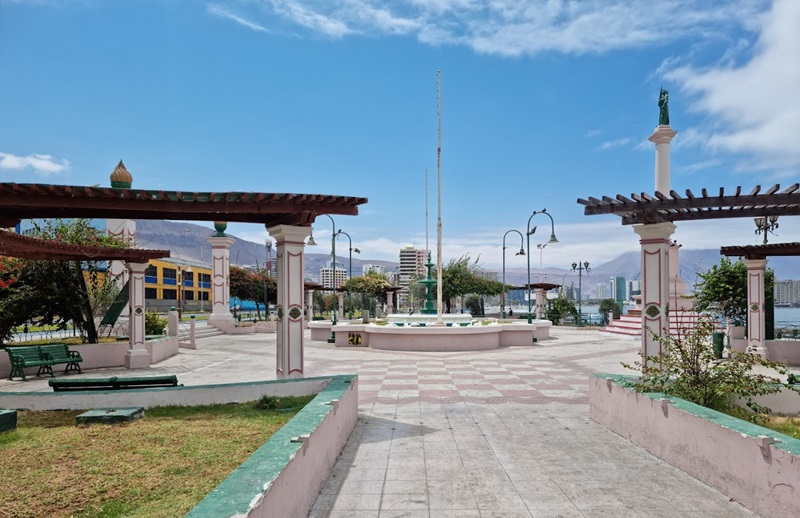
(332, 338)
(350, 266)
(552, 239)
(521, 252)
(180, 289)
(580, 268)
(766, 225)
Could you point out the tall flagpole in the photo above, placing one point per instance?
(439, 319)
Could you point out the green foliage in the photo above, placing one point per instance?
(559, 308)
(372, 284)
(723, 290)
(473, 304)
(58, 292)
(608, 306)
(154, 324)
(687, 369)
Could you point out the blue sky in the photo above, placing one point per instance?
(543, 102)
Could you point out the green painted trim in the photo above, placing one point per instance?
(234, 495)
(787, 444)
(115, 184)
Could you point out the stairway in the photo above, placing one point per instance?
(630, 324)
(200, 331)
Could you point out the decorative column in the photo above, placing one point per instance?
(221, 317)
(389, 302)
(290, 242)
(756, 326)
(124, 229)
(655, 241)
(541, 302)
(661, 137)
(677, 286)
(309, 307)
(340, 308)
(137, 356)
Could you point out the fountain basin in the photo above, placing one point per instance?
(419, 318)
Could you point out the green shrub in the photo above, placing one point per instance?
(154, 324)
(687, 369)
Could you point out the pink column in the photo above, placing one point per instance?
(756, 325)
(137, 356)
(290, 242)
(309, 313)
(340, 308)
(220, 283)
(390, 302)
(655, 241)
(541, 302)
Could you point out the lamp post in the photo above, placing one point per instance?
(766, 225)
(180, 289)
(332, 338)
(528, 233)
(350, 270)
(521, 252)
(580, 268)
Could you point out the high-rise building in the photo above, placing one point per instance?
(326, 275)
(412, 262)
(602, 290)
(787, 293)
(634, 288)
(370, 268)
(618, 289)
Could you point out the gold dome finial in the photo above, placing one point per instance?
(121, 178)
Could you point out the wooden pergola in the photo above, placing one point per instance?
(287, 217)
(20, 201)
(653, 217)
(660, 208)
(24, 247)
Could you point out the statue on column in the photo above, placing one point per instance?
(663, 105)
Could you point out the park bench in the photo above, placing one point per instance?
(113, 383)
(42, 356)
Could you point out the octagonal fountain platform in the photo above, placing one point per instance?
(418, 332)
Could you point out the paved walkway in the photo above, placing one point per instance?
(502, 433)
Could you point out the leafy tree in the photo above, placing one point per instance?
(248, 285)
(723, 290)
(687, 369)
(559, 308)
(473, 304)
(460, 277)
(608, 306)
(58, 292)
(373, 285)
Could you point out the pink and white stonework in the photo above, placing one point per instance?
(137, 356)
(290, 242)
(755, 305)
(220, 266)
(655, 241)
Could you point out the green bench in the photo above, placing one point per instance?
(113, 383)
(44, 357)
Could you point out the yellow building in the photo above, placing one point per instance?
(163, 290)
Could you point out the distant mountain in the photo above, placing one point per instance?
(189, 241)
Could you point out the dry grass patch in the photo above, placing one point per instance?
(158, 466)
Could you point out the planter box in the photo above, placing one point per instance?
(755, 466)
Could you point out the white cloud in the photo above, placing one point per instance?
(753, 107)
(42, 164)
(611, 144)
(224, 12)
(513, 27)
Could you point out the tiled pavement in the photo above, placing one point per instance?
(501, 433)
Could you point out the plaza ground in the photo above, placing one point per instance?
(502, 433)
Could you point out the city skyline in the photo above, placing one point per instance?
(541, 104)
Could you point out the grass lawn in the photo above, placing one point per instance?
(159, 466)
(786, 425)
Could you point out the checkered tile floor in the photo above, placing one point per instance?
(480, 381)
